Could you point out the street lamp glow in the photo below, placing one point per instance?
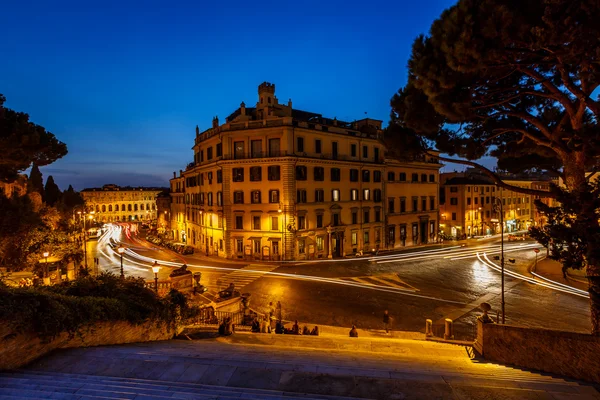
(155, 267)
(121, 250)
(46, 254)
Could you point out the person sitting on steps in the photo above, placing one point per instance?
(353, 331)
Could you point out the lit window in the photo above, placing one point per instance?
(366, 194)
(335, 195)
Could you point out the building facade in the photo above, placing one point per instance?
(467, 204)
(178, 223)
(112, 203)
(274, 183)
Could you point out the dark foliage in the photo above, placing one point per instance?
(569, 237)
(51, 191)
(50, 310)
(35, 183)
(23, 143)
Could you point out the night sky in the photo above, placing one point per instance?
(124, 84)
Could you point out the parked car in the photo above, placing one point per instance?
(187, 250)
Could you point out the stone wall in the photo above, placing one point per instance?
(19, 349)
(565, 353)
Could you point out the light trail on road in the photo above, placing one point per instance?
(577, 292)
(453, 253)
(381, 288)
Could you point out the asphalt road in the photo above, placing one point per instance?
(448, 282)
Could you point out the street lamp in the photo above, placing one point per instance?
(155, 269)
(121, 250)
(481, 217)
(499, 204)
(46, 254)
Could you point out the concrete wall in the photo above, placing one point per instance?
(19, 349)
(566, 353)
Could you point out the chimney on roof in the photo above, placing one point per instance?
(243, 108)
(290, 103)
(180, 172)
(174, 174)
(334, 121)
(215, 122)
(197, 130)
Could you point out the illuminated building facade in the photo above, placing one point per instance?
(274, 183)
(112, 203)
(177, 214)
(467, 205)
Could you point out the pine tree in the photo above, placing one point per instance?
(52, 191)
(36, 181)
(514, 79)
(23, 143)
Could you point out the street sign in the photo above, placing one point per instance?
(536, 250)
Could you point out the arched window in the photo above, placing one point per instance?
(153, 207)
(129, 209)
(142, 206)
(97, 208)
(135, 207)
(110, 208)
(103, 208)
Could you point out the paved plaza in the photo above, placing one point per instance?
(268, 366)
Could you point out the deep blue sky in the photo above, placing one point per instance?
(125, 83)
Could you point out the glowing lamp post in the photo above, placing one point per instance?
(155, 269)
(46, 254)
(121, 250)
(498, 206)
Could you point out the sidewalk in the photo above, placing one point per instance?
(552, 270)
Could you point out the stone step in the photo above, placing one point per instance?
(114, 387)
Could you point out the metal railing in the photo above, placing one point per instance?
(208, 316)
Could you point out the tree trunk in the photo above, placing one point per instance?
(576, 183)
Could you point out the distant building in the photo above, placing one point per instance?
(163, 212)
(274, 182)
(112, 203)
(467, 203)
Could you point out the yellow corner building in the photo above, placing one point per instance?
(278, 183)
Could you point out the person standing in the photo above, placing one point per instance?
(271, 314)
(278, 312)
(386, 321)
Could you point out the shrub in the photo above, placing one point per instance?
(50, 310)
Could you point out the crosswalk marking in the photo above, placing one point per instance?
(388, 280)
(246, 275)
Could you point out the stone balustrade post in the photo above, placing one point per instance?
(428, 328)
(448, 332)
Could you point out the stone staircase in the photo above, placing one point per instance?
(54, 385)
(269, 366)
